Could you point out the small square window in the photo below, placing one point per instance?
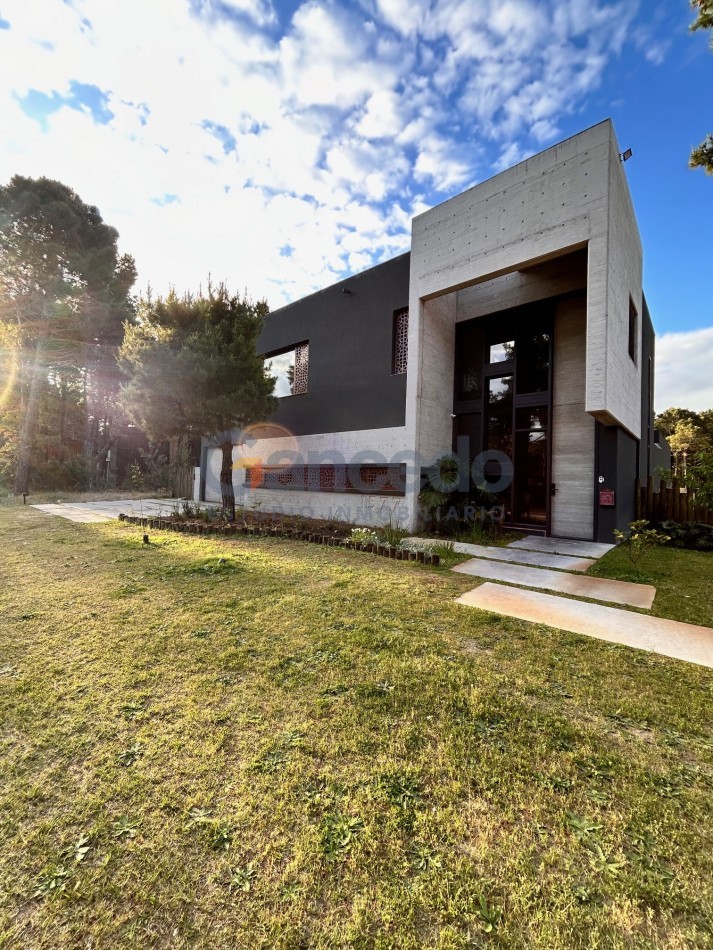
(399, 356)
(291, 369)
(501, 352)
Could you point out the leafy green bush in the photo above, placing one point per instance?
(158, 475)
(448, 510)
(73, 474)
(640, 537)
(694, 536)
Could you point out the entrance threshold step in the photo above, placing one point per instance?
(491, 553)
(682, 641)
(597, 588)
(534, 542)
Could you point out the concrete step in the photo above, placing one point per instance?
(534, 542)
(683, 641)
(491, 553)
(597, 588)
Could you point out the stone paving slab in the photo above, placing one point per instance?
(596, 588)
(87, 512)
(534, 542)
(682, 641)
(72, 514)
(491, 553)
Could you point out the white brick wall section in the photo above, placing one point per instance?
(361, 446)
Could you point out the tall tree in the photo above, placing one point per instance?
(690, 437)
(702, 156)
(192, 369)
(62, 284)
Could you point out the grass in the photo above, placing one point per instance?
(682, 580)
(298, 746)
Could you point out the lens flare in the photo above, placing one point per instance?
(257, 432)
(9, 363)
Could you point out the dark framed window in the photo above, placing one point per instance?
(633, 327)
(352, 479)
(291, 369)
(502, 403)
(399, 350)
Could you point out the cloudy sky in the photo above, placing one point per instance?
(282, 145)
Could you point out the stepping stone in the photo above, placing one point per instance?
(87, 512)
(534, 542)
(536, 558)
(597, 588)
(683, 641)
(72, 514)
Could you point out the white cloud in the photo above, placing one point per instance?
(382, 115)
(347, 120)
(683, 370)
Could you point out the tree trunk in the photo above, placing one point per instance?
(29, 420)
(227, 492)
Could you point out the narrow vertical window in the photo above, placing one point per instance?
(301, 369)
(399, 358)
(633, 321)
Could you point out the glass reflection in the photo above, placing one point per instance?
(499, 414)
(533, 371)
(500, 352)
(283, 367)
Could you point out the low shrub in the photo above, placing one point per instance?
(694, 536)
(640, 538)
(54, 475)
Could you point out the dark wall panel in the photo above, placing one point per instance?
(647, 464)
(617, 461)
(350, 350)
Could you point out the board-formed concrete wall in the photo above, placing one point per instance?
(561, 275)
(572, 427)
(571, 196)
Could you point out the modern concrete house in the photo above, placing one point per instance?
(515, 333)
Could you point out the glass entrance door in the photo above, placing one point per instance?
(530, 480)
(503, 383)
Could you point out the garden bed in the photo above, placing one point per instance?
(318, 532)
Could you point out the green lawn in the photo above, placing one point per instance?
(683, 580)
(257, 743)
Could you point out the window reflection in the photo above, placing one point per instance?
(499, 352)
(469, 345)
(499, 421)
(532, 417)
(283, 367)
(533, 372)
(290, 369)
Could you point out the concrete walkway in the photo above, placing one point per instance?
(535, 542)
(88, 512)
(596, 588)
(509, 554)
(682, 641)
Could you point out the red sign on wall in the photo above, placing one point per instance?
(607, 498)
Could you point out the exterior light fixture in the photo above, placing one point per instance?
(625, 156)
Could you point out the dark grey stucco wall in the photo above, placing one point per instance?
(616, 460)
(350, 350)
(647, 450)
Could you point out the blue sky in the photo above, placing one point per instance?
(284, 144)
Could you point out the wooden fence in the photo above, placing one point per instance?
(183, 482)
(669, 503)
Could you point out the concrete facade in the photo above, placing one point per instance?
(559, 228)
